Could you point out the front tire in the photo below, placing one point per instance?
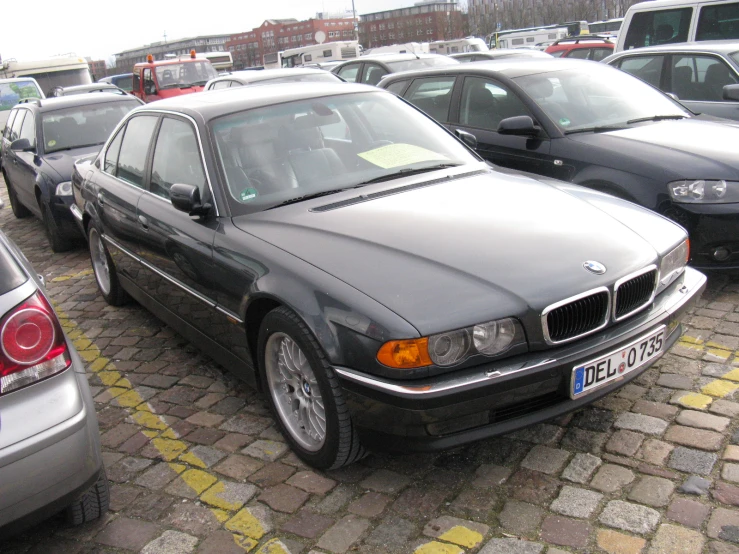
(304, 393)
(104, 269)
(57, 241)
(91, 505)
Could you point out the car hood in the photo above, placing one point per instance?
(63, 162)
(463, 251)
(688, 148)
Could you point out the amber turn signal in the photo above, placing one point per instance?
(405, 354)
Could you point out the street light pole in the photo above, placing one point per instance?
(354, 22)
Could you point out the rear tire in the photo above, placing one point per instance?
(19, 210)
(57, 241)
(91, 505)
(104, 269)
(283, 337)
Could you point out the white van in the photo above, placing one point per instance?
(669, 21)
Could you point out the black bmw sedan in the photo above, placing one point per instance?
(373, 276)
(592, 125)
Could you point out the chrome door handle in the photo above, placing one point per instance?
(144, 222)
(101, 198)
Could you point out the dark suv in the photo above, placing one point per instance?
(41, 142)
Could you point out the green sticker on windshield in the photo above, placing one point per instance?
(51, 143)
(399, 154)
(247, 195)
(565, 122)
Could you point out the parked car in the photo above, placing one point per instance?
(498, 54)
(589, 124)
(370, 69)
(123, 81)
(50, 456)
(85, 89)
(673, 21)
(41, 142)
(704, 76)
(270, 77)
(583, 47)
(440, 303)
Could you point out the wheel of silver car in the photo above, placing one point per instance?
(295, 391)
(104, 269)
(304, 393)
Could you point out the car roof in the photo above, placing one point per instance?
(266, 74)
(235, 99)
(57, 103)
(391, 57)
(91, 86)
(16, 79)
(717, 46)
(508, 67)
(504, 53)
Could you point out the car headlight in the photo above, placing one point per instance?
(704, 191)
(64, 189)
(673, 264)
(453, 347)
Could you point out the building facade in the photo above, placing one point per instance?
(97, 68)
(423, 22)
(275, 35)
(211, 43)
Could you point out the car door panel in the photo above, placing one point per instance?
(26, 166)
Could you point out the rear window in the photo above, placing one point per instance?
(718, 22)
(11, 275)
(658, 27)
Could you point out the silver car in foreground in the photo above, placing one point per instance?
(49, 440)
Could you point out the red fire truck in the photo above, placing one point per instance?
(155, 80)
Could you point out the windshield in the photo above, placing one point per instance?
(12, 93)
(735, 57)
(596, 95)
(420, 63)
(185, 74)
(287, 151)
(83, 125)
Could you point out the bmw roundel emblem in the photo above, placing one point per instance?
(594, 267)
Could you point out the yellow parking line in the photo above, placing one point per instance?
(717, 388)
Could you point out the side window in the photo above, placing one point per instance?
(135, 82)
(558, 53)
(15, 131)
(718, 22)
(219, 85)
(486, 103)
(176, 158)
(9, 124)
(349, 72)
(111, 155)
(433, 96)
(579, 53)
(149, 86)
(654, 27)
(647, 68)
(28, 130)
(372, 74)
(597, 54)
(700, 77)
(397, 87)
(132, 159)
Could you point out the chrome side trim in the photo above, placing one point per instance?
(606, 319)
(76, 212)
(230, 314)
(123, 249)
(629, 277)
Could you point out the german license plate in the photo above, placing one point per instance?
(595, 373)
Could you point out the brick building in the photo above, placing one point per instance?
(275, 35)
(97, 68)
(423, 22)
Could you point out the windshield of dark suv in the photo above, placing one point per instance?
(185, 74)
(82, 125)
(296, 150)
(596, 96)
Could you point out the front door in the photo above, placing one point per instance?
(177, 247)
(484, 103)
(26, 167)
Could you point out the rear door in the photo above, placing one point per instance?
(177, 249)
(24, 180)
(698, 81)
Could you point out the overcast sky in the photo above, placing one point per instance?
(43, 28)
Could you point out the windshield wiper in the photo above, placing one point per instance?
(407, 172)
(308, 197)
(75, 147)
(655, 118)
(597, 129)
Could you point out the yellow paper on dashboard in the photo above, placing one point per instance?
(398, 155)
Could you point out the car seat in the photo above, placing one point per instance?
(481, 107)
(717, 76)
(258, 158)
(663, 33)
(682, 82)
(309, 158)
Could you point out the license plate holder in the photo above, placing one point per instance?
(610, 367)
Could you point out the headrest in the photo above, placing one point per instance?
(314, 120)
(541, 88)
(248, 135)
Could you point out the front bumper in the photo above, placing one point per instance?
(496, 398)
(64, 218)
(42, 474)
(710, 226)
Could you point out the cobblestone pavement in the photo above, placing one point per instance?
(196, 463)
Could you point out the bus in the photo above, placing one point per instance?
(609, 27)
(50, 73)
(315, 53)
(533, 37)
(467, 44)
(221, 61)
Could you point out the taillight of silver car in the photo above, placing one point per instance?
(32, 345)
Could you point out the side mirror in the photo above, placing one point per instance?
(186, 198)
(520, 125)
(673, 96)
(21, 145)
(468, 138)
(731, 92)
